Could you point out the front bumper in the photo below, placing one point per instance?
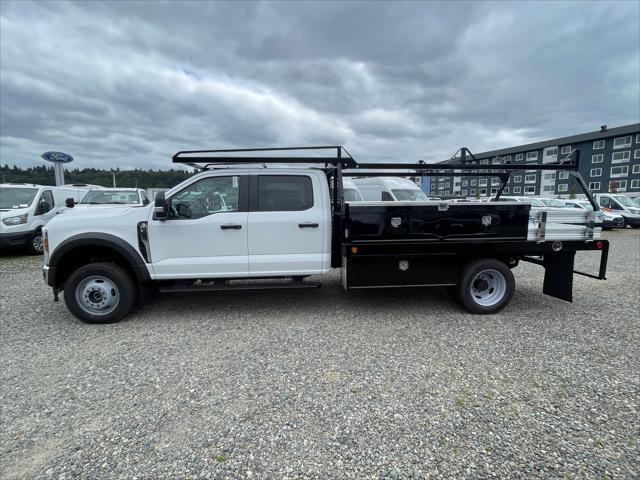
(49, 275)
(9, 241)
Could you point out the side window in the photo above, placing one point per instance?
(206, 197)
(284, 193)
(145, 199)
(46, 203)
(605, 202)
(386, 197)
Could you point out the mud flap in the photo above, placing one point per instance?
(558, 275)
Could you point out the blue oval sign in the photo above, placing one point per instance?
(57, 157)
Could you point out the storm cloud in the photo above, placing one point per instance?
(128, 83)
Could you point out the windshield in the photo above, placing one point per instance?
(624, 200)
(636, 201)
(16, 197)
(352, 195)
(551, 202)
(586, 205)
(410, 195)
(97, 197)
(536, 203)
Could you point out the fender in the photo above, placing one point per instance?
(97, 239)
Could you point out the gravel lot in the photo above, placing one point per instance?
(326, 384)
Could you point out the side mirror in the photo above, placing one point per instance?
(70, 203)
(161, 208)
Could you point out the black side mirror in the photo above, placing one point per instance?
(69, 203)
(161, 208)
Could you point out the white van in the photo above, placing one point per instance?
(350, 191)
(620, 204)
(25, 208)
(389, 189)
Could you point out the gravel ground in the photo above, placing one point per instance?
(326, 384)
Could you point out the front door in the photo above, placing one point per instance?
(288, 232)
(205, 235)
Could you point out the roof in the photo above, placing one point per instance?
(570, 140)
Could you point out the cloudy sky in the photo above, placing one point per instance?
(128, 83)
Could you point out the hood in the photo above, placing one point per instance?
(97, 210)
(12, 212)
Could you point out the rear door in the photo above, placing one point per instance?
(289, 233)
(205, 235)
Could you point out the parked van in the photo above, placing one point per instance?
(622, 205)
(389, 189)
(350, 191)
(26, 208)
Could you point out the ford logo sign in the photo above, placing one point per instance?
(57, 157)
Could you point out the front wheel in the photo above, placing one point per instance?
(36, 246)
(486, 286)
(99, 293)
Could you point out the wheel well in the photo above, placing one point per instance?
(86, 254)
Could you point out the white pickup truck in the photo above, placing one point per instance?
(248, 222)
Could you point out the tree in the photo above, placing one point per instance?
(572, 193)
(613, 186)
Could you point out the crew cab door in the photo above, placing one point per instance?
(205, 235)
(289, 225)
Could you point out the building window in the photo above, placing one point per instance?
(548, 152)
(548, 188)
(635, 183)
(506, 159)
(464, 193)
(595, 172)
(563, 187)
(496, 161)
(566, 149)
(563, 175)
(597, 158)
(636, 168)
(636, 153)
(598, 145)
(494, 191)
(619, 171)
(549, 176)
(621, 185)
(447, 185)
(620, 157)
(594, 186)
(529, 190)
(622, 142)
(532, 156)
(484, 162)
(506, 190)
(483, 182)
(529, 179)
(483, 191)
(517, 178)
(517, 189)
(495, 181)
(473, 191)
(518, 157)
(465, 183)
(638, 138)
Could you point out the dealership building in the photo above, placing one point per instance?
(609, 160)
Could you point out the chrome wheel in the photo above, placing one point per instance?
(36, 242)
(97, 295)
(488, 287)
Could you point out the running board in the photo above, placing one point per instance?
(213, 287)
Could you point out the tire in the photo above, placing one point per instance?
(486, 286)
(36, 246)
(99, 293)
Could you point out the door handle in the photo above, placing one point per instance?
(308, 225)
(230, 226)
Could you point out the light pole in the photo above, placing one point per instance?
(113, 172)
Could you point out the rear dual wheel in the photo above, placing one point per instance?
(486, 286)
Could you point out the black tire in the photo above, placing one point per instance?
(105, 275)
(497, 297)
(36, 247)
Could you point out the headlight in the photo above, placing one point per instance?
(17, 220)
(634, 210)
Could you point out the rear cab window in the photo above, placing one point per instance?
(284, 193)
